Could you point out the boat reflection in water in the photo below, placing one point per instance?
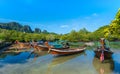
(62, 59)
(59, 60)
(36, 54)
(5, 54)
(103, 68)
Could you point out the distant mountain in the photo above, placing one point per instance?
(16, 26)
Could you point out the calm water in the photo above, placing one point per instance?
(43, 63)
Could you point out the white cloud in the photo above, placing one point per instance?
(64, 26)
(94, 14)
(91, 16)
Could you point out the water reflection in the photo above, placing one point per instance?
(19, 57)
(5, 54)
(14, 57)
(44, 63)
(62, 59)
(103, 68)
(116, 58)
(36, 54)
(59, 60)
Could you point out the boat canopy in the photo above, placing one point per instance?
(107, 43)
(58, 43)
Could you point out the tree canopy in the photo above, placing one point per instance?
(113, 31)
(14, 31)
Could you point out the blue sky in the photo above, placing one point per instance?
(59, 16)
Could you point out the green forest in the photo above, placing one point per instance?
(14, 31)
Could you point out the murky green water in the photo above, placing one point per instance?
(43, 63)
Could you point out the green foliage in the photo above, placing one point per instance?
(74, 36)
(15, 31)
(118, 15)
(64, 37)
(113, 31)
(99, 33)
(12, 35)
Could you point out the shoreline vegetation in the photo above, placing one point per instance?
(9, 32)
(11, 47)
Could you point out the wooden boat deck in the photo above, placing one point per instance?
(68, 50)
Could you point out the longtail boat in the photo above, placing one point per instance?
(66, 51)
(41, 47)
(21, 45)
(103, 51)
(107, 53)
(46, 46)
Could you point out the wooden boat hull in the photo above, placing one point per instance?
(65, 51)
(45, 48)
(42, 47)
(107, 54)
(22, 45)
